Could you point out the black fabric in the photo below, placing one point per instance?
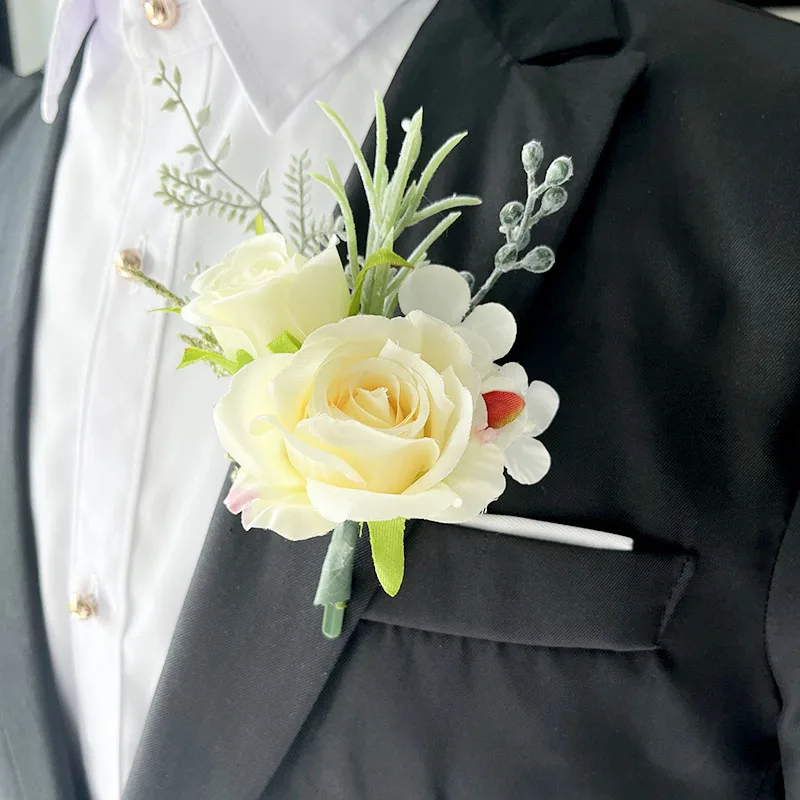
(670, 326)
(532, 591)
(6, 59)
(37, 756)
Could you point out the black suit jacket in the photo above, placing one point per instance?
(509, 668)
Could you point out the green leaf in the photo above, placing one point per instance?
(193, 355)
(203, 117)
(386, 256)
(170, 104)
(409, 153)
(224, 149)
(386, 539)
(258, 224)
(334, 183)
(167, 309)
(358, 156)
(190, 149)
(379, 258)
(243, 358)
(456, 201)
(425, 244)
(284, 343)
(263, 187)
(381, 141)
(176, 77)
(437, 159)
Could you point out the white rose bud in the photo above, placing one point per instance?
(261, 290)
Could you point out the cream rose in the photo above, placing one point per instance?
(260, 290)
(372, 419)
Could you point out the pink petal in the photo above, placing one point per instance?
(239, 499)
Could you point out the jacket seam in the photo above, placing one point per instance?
(650, 648)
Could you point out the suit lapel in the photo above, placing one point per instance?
(248, 661)
(34, 760)
(522, 79)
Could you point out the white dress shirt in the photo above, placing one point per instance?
(126, 467)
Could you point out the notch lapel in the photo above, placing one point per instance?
(523, 79)
(248, 661)
(34, 751)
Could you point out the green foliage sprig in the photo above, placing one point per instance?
(191, 191)
(308, 234)
(395, 204)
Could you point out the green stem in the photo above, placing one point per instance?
(484, 290)
(196, 134)
(210, 198)
(380, 279)
(526, 223)
(156, 287)
(336, 577)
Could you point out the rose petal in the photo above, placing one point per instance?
(431, 383)
(231, 340)
(439, 291)
(527, 460)
(477, 480)
(390, 464)
(541, 403)
(361, 328)
(319, 294)
(286, 511)
(312, 462)
(293, 388)
(259, 312)
(457, 436)
(246, 399)
(496, 324)
(295, 522)
(339, 504)
(243, 492)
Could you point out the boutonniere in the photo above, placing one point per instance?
(367, 393)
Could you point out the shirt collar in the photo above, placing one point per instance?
(278, 50)
(281, 50)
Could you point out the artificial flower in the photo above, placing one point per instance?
(518, 423)
(490, 329)
(371, 419)
(261, 290)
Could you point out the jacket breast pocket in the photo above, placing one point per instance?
(525, 591)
